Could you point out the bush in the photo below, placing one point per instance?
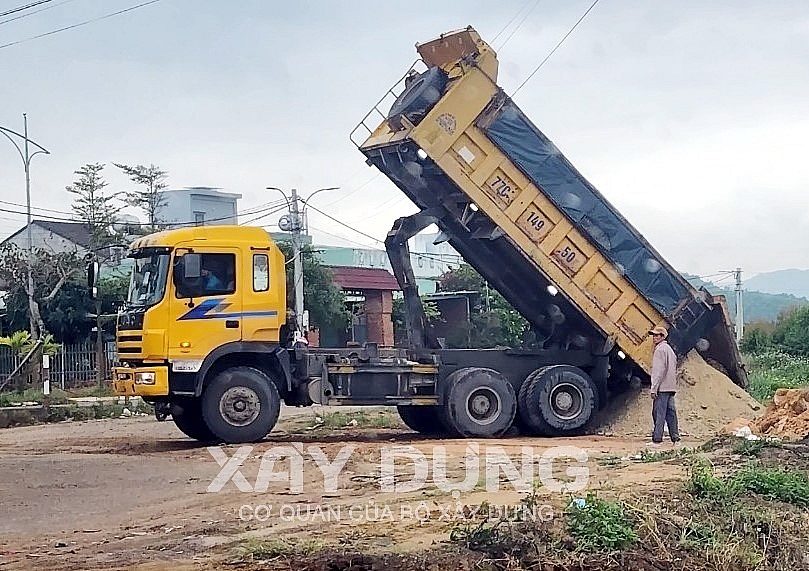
(599, 524)
(786, 485)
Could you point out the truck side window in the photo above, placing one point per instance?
(218, 276)
(261, 272)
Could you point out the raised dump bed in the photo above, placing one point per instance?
(528, 221)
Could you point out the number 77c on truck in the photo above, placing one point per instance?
(206, 337)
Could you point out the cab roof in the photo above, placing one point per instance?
(230, 235)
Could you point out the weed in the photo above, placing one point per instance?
(599, 524)
(787, 485)
(359, 419)
(753, 447)
(262, 549)
(703, 483)
(699, 535)
(659, 456)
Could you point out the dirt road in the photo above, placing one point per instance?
(135, 493)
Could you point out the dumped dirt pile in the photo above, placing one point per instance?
(706, 401)
(787, 416)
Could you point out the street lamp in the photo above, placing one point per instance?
(294, 223)
(26, 160)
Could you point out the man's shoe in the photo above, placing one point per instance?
(654, 444)
(676, 444)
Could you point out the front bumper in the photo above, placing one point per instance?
(129, 381)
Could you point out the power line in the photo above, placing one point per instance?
(519, 25)
(360, 232)
(556, 47)
(6, 21)
(35, 207)
(21, 8)
(514, 17)
(90, 21)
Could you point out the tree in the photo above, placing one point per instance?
(792, 331)
(150, 198)
(98, 210)
(94, 207)
(493, 321)
(50, 272)
(324, 300)
(757, 337)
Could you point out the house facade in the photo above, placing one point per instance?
(198, 206)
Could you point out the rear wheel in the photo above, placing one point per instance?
(557, 400)
(187, 416)
(479, 403)
(241, 404)
(422, 419)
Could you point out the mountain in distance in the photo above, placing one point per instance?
(758, 306)
(792, 281)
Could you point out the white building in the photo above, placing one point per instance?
(199, 205)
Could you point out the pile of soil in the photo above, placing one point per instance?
(787, 416)
(706, 401)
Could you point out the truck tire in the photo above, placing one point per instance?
(423, 419)
(187, 416)
(479, 403)
(241, 404)
(557, 401)
(421, 93)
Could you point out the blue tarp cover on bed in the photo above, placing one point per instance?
(589, 211)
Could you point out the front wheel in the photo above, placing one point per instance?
(241, 404)
(187, 416)
(425, 419)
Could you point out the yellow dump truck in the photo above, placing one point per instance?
(205, 334)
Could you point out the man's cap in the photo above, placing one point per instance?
(659, 331)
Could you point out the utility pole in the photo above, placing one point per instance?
(295, 223)
(296, 227)
(739, 306)
(26, 157)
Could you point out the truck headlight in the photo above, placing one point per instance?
(144, 378)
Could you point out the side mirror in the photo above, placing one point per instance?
(92, 278)
(192, 266)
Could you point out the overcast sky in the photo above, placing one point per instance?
(691, 117)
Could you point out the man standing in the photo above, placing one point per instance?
(664, 387)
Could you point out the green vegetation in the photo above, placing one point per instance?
(775, 369)
(358, 419)
(263, 549)
(783, 484)
(598, 524)
(753, 447)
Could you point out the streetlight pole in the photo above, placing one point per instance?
(26, 159)
(295, 224)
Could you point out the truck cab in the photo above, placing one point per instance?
(204, 303)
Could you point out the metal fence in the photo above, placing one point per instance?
(72, 366)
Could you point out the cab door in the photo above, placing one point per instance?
(206, 305)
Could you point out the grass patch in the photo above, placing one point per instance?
(773, 370)
(598, 524)
(358, 419)
(15, 398)
(662, 455)
(782, 484)
(746, 447)
(263, 549)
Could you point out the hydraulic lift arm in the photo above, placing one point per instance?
(419, 332)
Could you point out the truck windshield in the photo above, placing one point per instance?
(148, 278)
